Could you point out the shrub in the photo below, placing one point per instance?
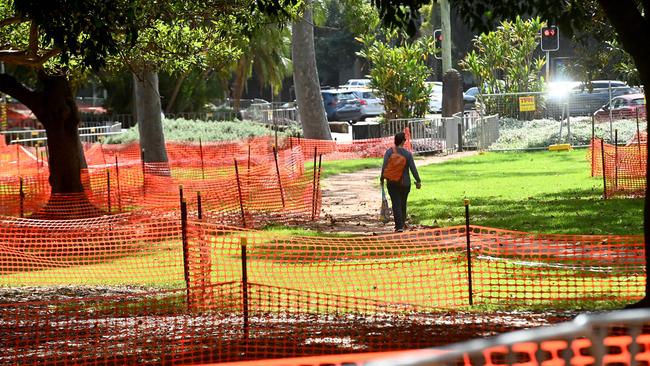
(398, 73)
(191, 130)
(517, 134)
(504, 61)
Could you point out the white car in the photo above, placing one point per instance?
(371, 106)
(356, 83)
(435, 98)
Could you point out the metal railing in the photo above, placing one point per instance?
(478, 132)
(621, 338)
(219, 115)
(88, 134)
(465, 130)
(427, 134)
(534, 105)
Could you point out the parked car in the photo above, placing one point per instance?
(255, 110)
(356, 83)
(469, 98)
(435, 98)
(341, 105)
(584, 99)
(623, 107)
(371, 106)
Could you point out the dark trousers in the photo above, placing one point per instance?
(398, 196)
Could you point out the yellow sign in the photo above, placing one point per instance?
(3, 116)
(527, 104)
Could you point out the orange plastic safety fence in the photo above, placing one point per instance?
(148, 286)
(624, 167)
(519, 268)
(117, 180)
(263, 188)
(356, 149)
(17, 160)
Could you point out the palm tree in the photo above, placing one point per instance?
(267, 56)
(305, 78)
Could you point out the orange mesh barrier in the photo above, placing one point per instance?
(17, 160)
(521, 268)
(118, 181)
(151, 287)
(356, 149)
(624, 167)
(263, 188)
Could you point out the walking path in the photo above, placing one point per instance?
(351, 201)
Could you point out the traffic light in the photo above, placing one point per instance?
(550, 38)
(437, 36)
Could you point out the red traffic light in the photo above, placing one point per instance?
(550, 38)
(549, 32)
(437, 34)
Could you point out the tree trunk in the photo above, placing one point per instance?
(305, 79)
(59, 115)
(56, 109)
(238, 84)
(645, 301)
(152, 139)
(631, 27)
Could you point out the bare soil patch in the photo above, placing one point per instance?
(351, 201)
(155, 330)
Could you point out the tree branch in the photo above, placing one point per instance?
(630, 26)
(10, 21)
(33, 40)
(22, 58)
(9, 85)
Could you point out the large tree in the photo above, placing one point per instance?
(305, 78)
(186, 36)
(629, 19)
(57, 38)
(47, 38)
(267, 55)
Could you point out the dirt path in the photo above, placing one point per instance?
(351, 201)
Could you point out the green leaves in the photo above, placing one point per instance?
(503, 61)
(90, 30)
(398, 73)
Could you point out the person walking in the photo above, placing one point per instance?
(397, 163)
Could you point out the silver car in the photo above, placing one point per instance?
(371, 106)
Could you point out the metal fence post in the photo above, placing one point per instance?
(241, 203)
(199, 208)
(244, 280)
(616, 159)
(469, 253)
(602, 155)
(119, 191)
(186, 264)
(21, 195)
(313, 190)
(108, 189)
(277, 170)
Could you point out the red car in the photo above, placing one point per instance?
(623, 107)
(20, 117)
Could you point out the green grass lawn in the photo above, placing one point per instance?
(542, 192)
